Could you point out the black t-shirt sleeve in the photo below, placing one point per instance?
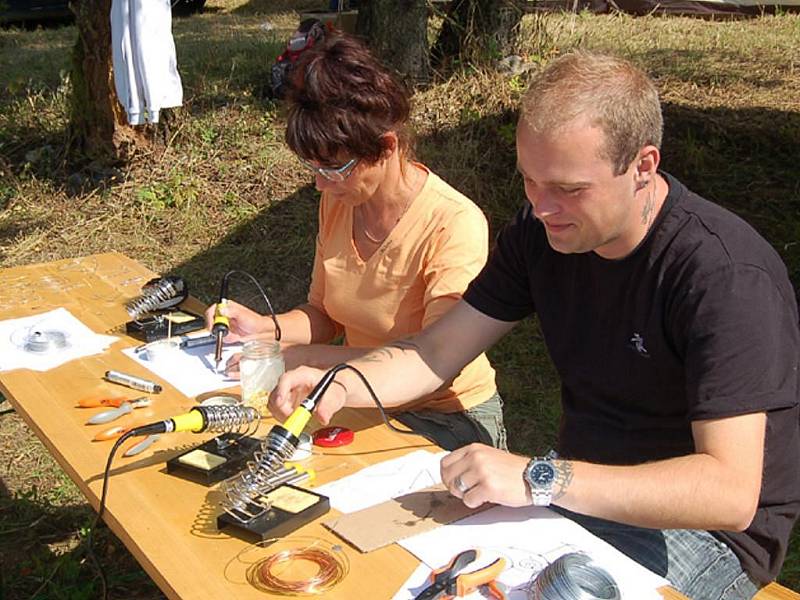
(502, 289)
(741, 345)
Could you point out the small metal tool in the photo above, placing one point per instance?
(131, 381)
(143, 445)
(111, 434)
(185, 342)
(115, 413)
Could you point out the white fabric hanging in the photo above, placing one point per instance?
(145, 68)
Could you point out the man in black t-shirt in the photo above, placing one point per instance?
(673, 327)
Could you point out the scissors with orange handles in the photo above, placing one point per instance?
(450, 582)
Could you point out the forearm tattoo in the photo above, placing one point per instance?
(378, 355)
(404, 345)
(384, 354)
(563, 478)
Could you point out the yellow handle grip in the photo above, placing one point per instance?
(297, 421)
(219, 318)
(191, 421)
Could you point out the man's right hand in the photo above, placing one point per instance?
(295, 385)
(244, 323)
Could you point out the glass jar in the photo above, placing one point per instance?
(259, 369)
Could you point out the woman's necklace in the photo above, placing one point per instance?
(369, 236)
(379, 241)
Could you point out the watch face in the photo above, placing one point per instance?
(542, 474)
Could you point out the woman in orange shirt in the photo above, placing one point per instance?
(396, 246)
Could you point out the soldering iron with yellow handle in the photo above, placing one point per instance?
(282, 440)
(219, 329)
(204, 418)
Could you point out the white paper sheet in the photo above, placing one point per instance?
(384, 481)
(190, 371)
(81, 341)
(529, 539)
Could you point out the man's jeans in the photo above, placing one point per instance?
(695, 562)
(482, 423)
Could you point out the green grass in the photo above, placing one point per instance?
(225, 193)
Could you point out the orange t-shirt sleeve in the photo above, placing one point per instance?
(456, 256)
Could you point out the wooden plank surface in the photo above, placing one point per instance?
(776, 592)
(166, 522)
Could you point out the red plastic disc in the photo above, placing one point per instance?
(330, 437)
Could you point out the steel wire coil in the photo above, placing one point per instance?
(573, 576)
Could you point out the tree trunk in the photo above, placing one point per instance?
(98, 125)
(397, 31)
(479, 30)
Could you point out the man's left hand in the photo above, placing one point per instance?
(478, 473)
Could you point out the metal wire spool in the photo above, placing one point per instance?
(45, 342)
(157, 294)
(574, 577)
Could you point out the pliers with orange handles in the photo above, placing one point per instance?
(449, 582)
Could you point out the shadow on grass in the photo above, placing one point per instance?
(276, 247)
(43, 556)
(274, 7)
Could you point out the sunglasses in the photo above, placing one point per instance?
(336, 174)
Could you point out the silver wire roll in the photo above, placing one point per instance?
(157, 294)
(230, 418)
(243, 493)
(573, 576)
(45, 342)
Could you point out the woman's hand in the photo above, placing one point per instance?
(243, 323)
(294, 386)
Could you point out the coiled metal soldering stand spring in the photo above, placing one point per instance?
(156, 295)
(573, 576)
(226, 418)
(242, 492)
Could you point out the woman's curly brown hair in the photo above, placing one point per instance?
(342, 100)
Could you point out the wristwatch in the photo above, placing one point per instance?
(539, 475)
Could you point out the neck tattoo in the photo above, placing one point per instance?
(648, 210)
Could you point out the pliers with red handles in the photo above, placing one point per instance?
(449, 582)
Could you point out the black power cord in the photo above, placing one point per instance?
(342, 366)
(100, 510)
(224, 291)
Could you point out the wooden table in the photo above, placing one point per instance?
(166, 522)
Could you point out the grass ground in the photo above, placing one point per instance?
(226, 193)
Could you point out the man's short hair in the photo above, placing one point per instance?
(608, 91)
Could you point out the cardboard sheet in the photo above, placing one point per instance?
(399, 518)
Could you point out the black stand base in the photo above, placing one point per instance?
(159, 325)
(219, 458)
(291, 508)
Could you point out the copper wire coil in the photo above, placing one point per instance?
(265, 574)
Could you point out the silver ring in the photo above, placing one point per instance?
(460, 485)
